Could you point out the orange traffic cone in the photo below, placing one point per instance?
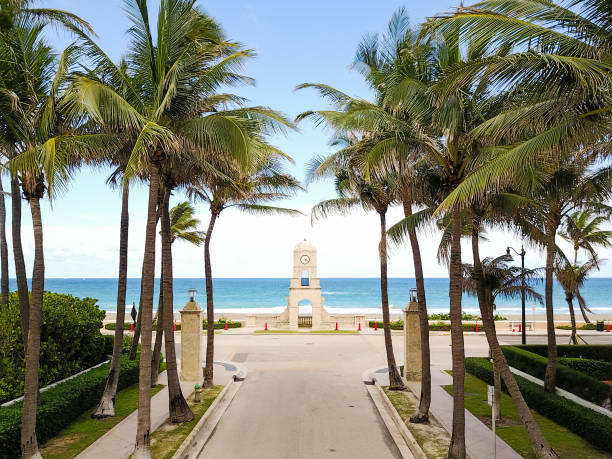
(476, 327)
(226, 324)
(375, 325)
(608, 330)
(359, 326)
(266, 329)
(513, 330)
(336, 326)
(132, 326)
(174, 324)
(520, 327)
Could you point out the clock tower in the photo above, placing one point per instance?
(305, 285)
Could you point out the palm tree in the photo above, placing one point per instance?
(17, 14)
(183, 226)
(572, 277)
(583, 230)
(246, 190)
(167, 106)
(569, 184)
(377, 193)
(4, 268)
(50, 149)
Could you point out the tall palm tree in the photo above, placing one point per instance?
(16, 14)
(570, 184)
(4, 268)
(377, 193)
(572, 277)
(50, 148)
(183, 226)
(166, 106)
(245, 190)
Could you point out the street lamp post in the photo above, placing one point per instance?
(522, 255)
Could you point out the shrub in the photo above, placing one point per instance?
(70, 341)
(446, 316)
(60, 405)
(580, 351)
(220, 324)
(571, 380)
(582, 327)
(590, 425)
(441, 326)
(127, 326)
(395, 325)
(595, 368)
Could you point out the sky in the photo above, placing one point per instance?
(295, 42)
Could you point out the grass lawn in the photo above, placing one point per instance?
(316, 332)
(85, 430)
(512, 431)
(167, 439)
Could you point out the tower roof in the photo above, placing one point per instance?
(305, 245)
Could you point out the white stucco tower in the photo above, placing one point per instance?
(305, 285)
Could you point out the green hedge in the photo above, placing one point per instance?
(220, 324)
(439, 326)
(70, 341)
(580, 351)
(595, 368)
(569, 379)
(396, 325)
(127, 326)
(582, 327)
(590, 425)
(60, 405)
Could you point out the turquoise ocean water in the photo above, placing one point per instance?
(341, 294)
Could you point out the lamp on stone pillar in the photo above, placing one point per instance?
(412, 339)
(191, 339)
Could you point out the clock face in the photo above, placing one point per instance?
(305, 259)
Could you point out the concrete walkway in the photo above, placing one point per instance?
(303, 398)
(478, 437)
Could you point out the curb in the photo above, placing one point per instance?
(195, 442)
(406, 443)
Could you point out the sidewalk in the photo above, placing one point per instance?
(478, 437)
(119, 442)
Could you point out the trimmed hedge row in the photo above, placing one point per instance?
(127, 326)
(220, 324)
(569, 379)
(60, 405)
(439, 326)
(582, 327)
(579, 351)
(590, 425)
(597, 369)
(395, 325)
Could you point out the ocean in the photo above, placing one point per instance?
(348, 295)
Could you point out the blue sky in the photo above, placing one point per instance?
(296, 42)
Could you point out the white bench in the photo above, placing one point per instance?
(514, 324)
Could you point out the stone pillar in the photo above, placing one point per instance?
(191, 342)
(412, 343)
(293, 312)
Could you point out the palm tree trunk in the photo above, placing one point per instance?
(539, 444)
(422, 413)
(106, 407)
(395, 380)
(143, 432)
(582, 311)
(551, 365)
(159, 334)
(570, 304)
(210, 308)
(20, 271)
(136, 337)
(29, 444)
(178, 408)
(457, 444)
(4, 264)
